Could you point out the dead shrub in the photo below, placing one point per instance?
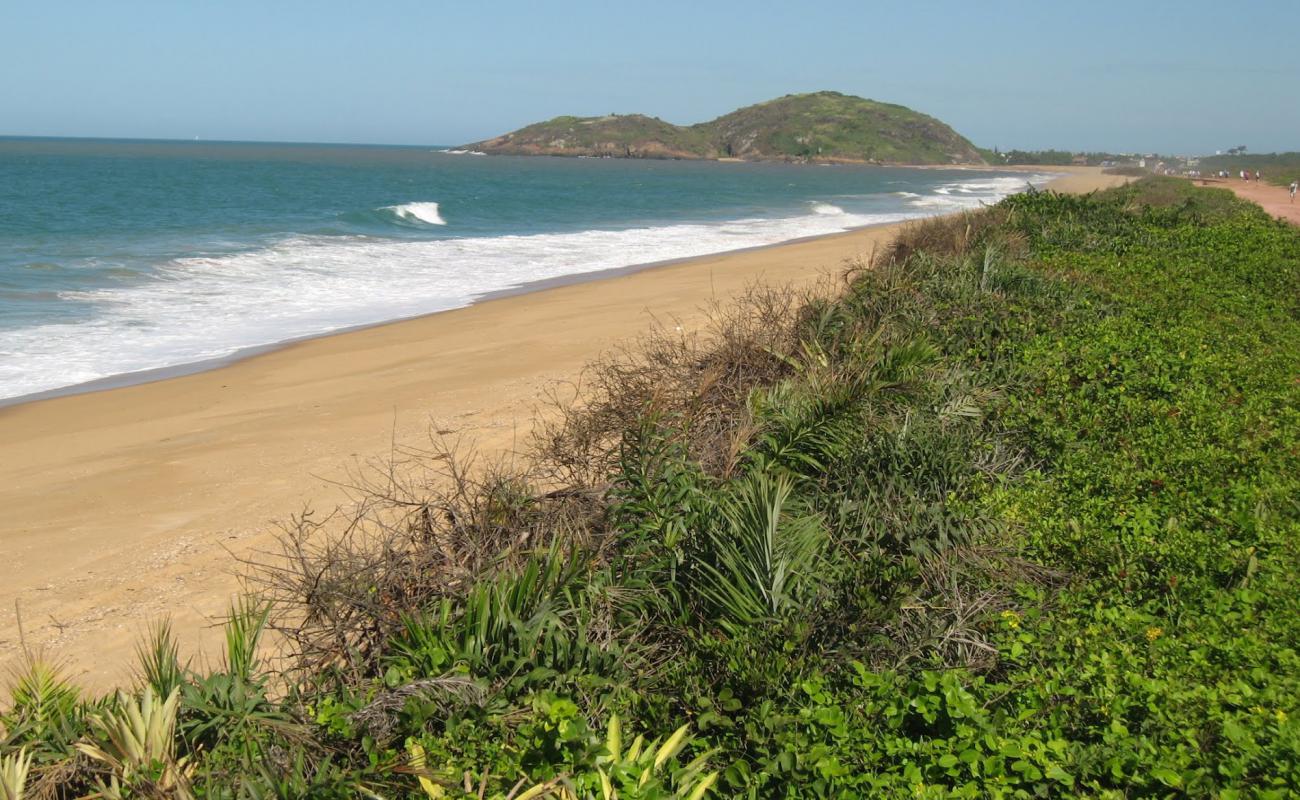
(961, 589)
(699, 380)
(426, 524)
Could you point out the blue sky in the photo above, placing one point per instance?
(1137, 75)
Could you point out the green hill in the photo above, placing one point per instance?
(617, 135)
(833, 126)
(823, 126)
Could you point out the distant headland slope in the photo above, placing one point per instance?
(821, 126)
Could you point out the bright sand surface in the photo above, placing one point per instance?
(128, 505)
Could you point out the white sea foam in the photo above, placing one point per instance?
(201, 308)
(974, 193)
(418, 212)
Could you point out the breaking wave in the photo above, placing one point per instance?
(418, 213)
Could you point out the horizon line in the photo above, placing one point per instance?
(209, 141)
(169, 140)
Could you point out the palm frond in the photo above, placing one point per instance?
(761, 560)
(45, 711)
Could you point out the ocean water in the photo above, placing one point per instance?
(118, 257)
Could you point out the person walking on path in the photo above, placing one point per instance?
(1295, 184)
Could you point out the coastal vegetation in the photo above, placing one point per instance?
(1008, 512)
(1055, 158)
(821, 126)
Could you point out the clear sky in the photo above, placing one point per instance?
(1183, 77)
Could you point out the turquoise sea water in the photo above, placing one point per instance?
(123, 256)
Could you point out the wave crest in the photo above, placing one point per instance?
(426, 213)
(826, 209)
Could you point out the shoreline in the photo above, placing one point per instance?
(156, 374)
(1059, 181)
(129, 504)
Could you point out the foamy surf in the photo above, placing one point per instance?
(971, 194)
(203, 308)
(426, 213)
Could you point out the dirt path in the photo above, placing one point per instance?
(1276, 200)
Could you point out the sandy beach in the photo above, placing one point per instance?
(127, 505)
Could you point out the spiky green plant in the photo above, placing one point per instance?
(136, 742)
(229, 706)
(642, 771)
(244, 628)
(802, 430)
(759, 563)
(657, 486)
(159, 660)
(45, 713)
(229, 710)
(13, 775)
(538, 615)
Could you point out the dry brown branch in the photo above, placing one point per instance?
(961, 589)
(425, 524)
(699, 380)
(379, 717)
